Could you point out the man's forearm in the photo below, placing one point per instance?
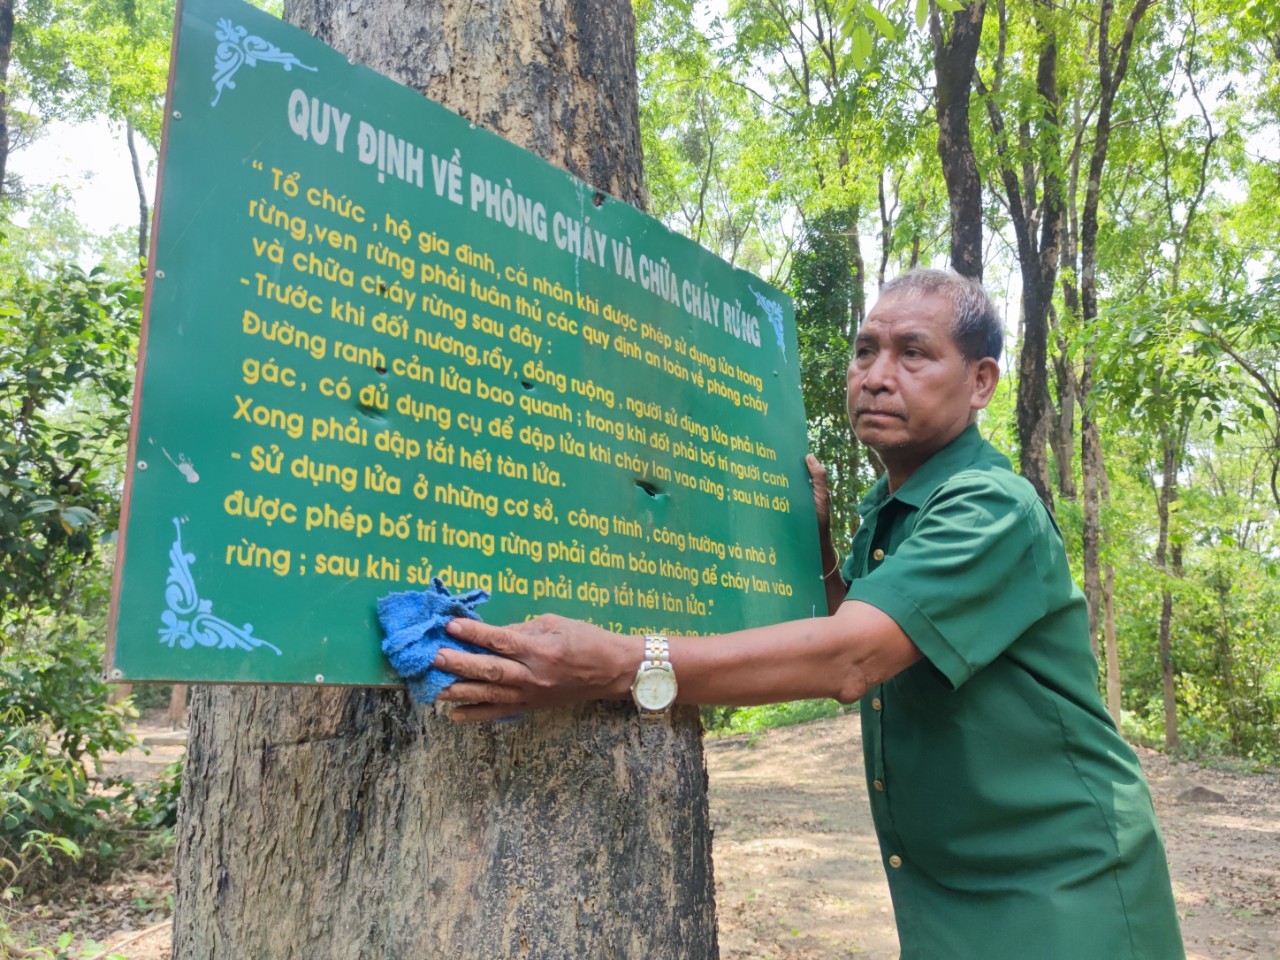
(841, 657)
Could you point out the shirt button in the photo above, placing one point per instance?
(875, 703)
(878, 784)
(877, 554)
(895, 861)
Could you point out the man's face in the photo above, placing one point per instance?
(910, 390)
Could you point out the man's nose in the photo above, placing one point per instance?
(878, 375)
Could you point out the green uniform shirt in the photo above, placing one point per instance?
(1014, 821)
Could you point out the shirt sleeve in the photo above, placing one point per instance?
(971, 577)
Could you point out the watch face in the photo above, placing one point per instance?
(655, 689)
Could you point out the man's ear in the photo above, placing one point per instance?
(986, 374)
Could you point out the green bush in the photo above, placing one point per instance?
(57, 723)
(729, 720)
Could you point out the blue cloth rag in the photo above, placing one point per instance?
(414, 624)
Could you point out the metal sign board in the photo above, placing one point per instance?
(383, 345)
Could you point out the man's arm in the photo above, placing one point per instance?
(551, 661)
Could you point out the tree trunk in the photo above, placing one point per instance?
(1091, 470)
(144, 214)
(178, 706)
(6, 48)
(857, 274)
(335, 823)
(1167, 494)
(954, 59)
(1110, 76)
(1037, 256)
(1112, 647)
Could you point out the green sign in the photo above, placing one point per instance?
(383, 345)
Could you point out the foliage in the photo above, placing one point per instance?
(66, 373)
(59, 724)
(724, 721)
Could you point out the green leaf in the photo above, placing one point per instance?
(861, 46)
(881, 22)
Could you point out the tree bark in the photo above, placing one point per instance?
(1166, 495)
(177, 716)
(1037, 255)
(345, 824)
(144, 213)
(954, 57)
(6, 52)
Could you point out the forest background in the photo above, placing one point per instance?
(1111, 172)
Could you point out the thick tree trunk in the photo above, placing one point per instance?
(954, 57)
(333, 823)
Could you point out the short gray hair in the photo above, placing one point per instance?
(975, 326)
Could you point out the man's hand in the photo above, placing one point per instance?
(546, 662)
(833, 583)
(821, 496)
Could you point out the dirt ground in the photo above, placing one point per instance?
(798, 873)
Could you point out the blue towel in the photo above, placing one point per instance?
(414, 623)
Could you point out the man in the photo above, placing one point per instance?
(1013, 820)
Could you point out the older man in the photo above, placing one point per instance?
(1014, 822)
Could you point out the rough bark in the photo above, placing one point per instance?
(955, 54)
(556, 77)
(6, 48)
(345, 824)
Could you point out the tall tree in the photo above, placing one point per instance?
(1081, 296)
(6, 50)
(1029, 163)
(955, 51)
(321, 822)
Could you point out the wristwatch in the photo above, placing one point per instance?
(654, 688)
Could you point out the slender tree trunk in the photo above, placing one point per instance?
(178, 706)
(1167, 495)
(1037, 255)
(6, 48)
(954, 57)
(1111, 645)
(1062, 421)
(857, 274)
(333, 823)
(144, 213)
(1091, 469)
(1110, 75)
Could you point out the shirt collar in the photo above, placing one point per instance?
(955, 456)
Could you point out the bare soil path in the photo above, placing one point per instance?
(798, 873)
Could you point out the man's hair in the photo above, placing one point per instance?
(975, 324)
